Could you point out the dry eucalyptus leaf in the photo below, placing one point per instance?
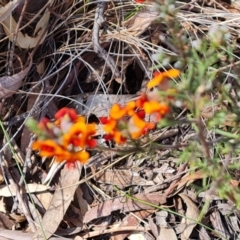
(203, 234)
(132, 220)
(9, 191)
(234, 223)
(2, 205)
(10, 84)
(61, 200)
(6, 10)
(225, 208)
(189, 178)
(122, 178)
(23, 40)
(141, 20)
(125, 205)
(78, 238)
(99, 104)
(6, 221)
(218, 225)
(83, 204)
(1, 176)
(18, 218)
(161, 217)
(191, 213)
(17, 235)
(167, 233)
(136, 236)
(45, 198)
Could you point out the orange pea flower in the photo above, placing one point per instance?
(71, 113)
(66, 138)
(137, 126)
(117, 111)
(141, 100)
(116, 136)
(80, 135)
(49, 148)
(46, 126)
(109, 124)
(159, 77)
(156, 107)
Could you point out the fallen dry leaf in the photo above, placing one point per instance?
(18, 218)
(6, 10)
(23, 40)
(83, 204)
(131, 220)
(2, 205)
(125, 205)
(218, 225)
(203, 234)
(191, 213)
(61, 200)
(234, 223)
(122, 178)
(166, 230)
(6, 222)
(45, 198)
(10, 84)
(1, 176)
(99, 104)
(9, 191)
(141, 20)
(78, 238)
(189, 178)
(17, 235)
(167, 233)
(136, 236)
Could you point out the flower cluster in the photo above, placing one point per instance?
(68, 136)
(129, 121)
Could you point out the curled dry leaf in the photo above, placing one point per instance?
(23, 40)
(10, 84)
(131, 220)
(166, 230)
(6, 221)
(141, 20)
(191, 213)
(167, 233)
(219, 226)
(6, 10)
(189, 178)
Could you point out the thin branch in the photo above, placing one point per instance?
(98, 21)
